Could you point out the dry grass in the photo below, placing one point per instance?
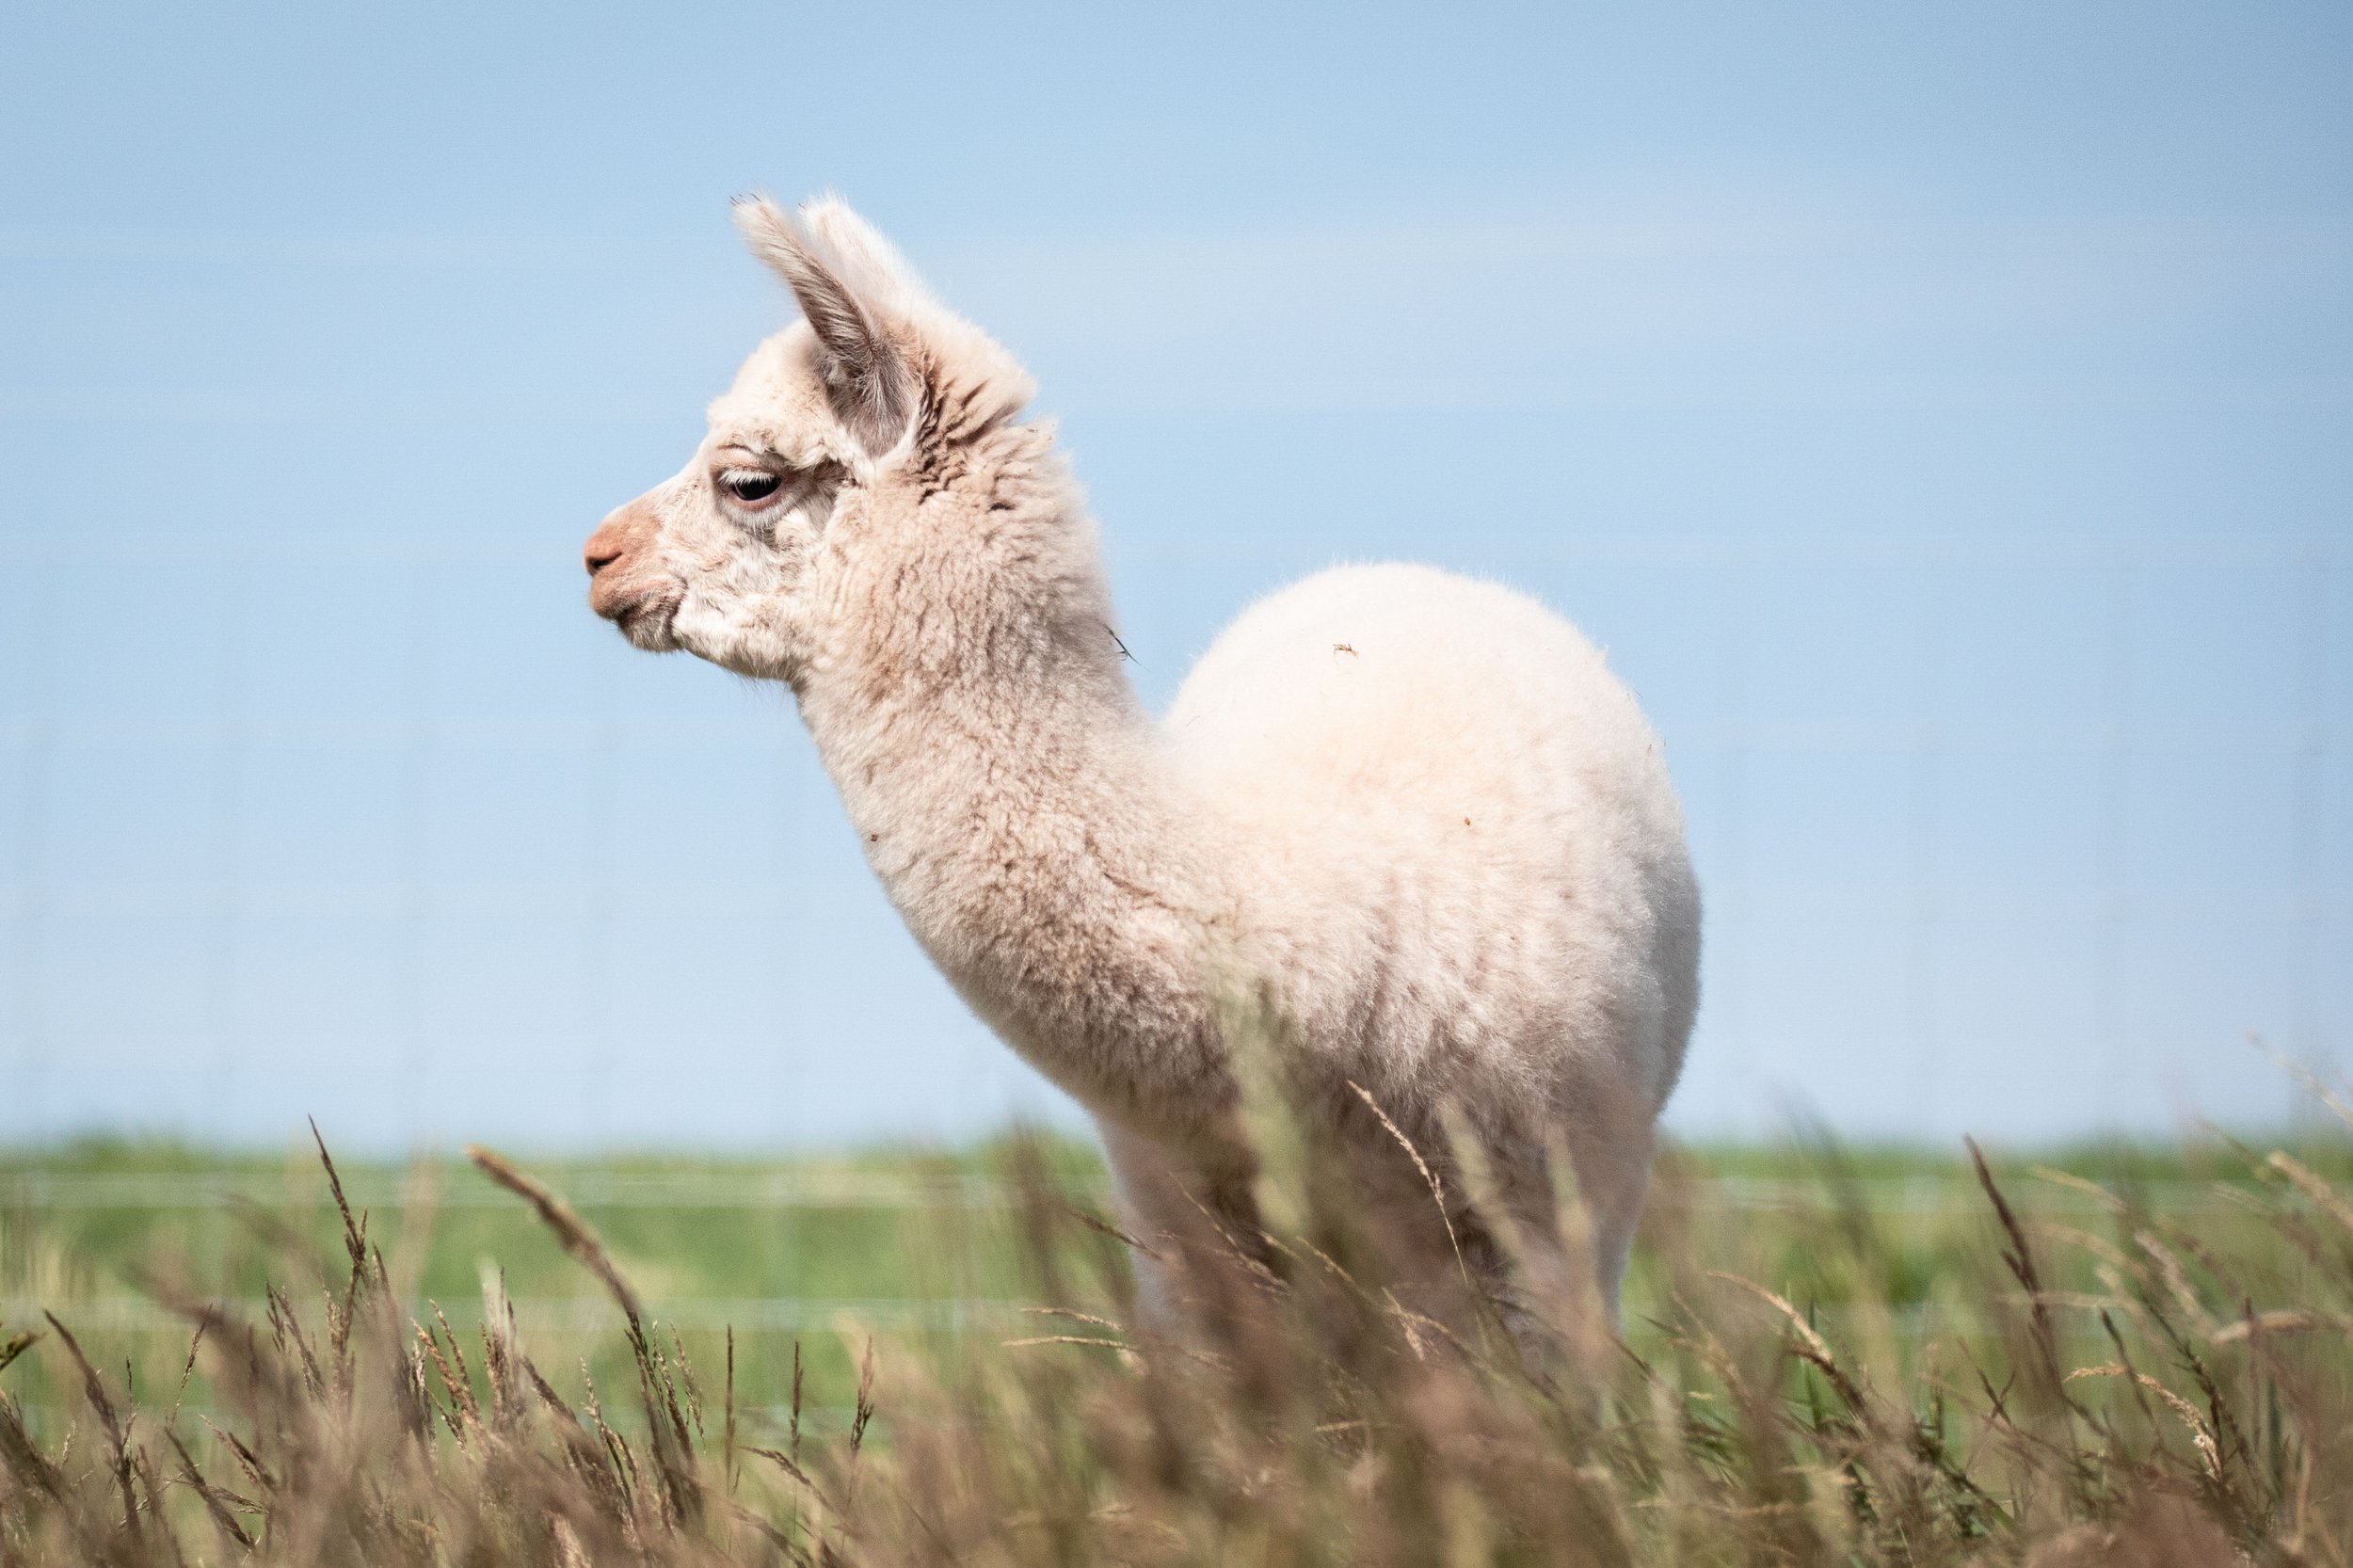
(2087, 1380)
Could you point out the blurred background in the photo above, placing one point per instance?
(1943, 414)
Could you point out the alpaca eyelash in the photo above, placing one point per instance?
(758, 489)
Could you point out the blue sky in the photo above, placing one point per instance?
(1945, 414)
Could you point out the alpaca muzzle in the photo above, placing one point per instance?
(626, 584)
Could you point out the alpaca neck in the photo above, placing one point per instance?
(1010, 791)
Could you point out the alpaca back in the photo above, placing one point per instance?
(1460, 865)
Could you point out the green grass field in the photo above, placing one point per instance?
(820, 1252)
(1899, 1337)
(906, 1242)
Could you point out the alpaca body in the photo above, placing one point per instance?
(1459, 871)
(1453, 840)
(1403, 829)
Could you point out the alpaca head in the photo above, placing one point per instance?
(877, 381)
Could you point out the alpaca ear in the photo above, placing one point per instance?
(869, 262)
(867, 376)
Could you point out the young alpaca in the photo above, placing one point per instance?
(1404, 826)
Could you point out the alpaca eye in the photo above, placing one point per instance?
(750, 484)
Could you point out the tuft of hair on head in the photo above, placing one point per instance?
(853, 290)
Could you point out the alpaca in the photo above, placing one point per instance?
(1403, 826)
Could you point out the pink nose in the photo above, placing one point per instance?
(608, 544)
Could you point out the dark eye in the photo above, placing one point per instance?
(750, 485)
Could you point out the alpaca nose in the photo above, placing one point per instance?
(606, 546)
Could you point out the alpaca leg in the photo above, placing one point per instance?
(1138, 1185)
(1194, 1220)
(1556, 1292)
(1613, 1179)
(1612, 1171)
